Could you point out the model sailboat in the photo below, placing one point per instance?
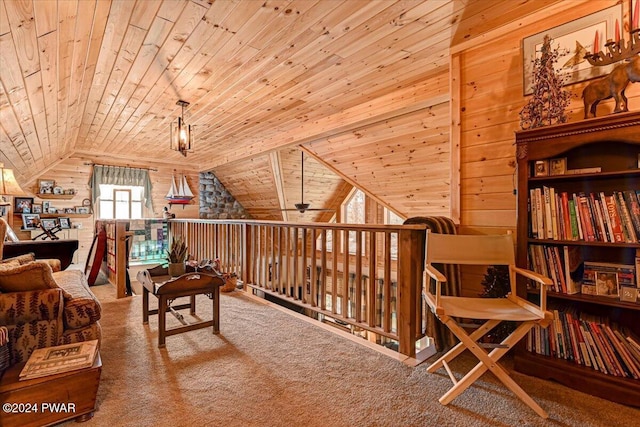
(180, 194)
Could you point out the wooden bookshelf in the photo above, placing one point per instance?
(613, 144)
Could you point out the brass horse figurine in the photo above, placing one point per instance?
(612, 85)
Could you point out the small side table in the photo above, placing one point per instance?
(167, 289)
(49, 400)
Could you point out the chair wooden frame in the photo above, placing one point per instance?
(481, 250)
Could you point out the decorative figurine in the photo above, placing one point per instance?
(612, 85)
(166, 214)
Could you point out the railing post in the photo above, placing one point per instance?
(246, 251)
(409, 276)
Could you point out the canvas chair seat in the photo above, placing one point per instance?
(482, 251)
(485, 308)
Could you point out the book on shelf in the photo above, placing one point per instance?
(596, 169)
(59, 359)
(592, 217)
(563, 265)
(589, 341)
(627, 224)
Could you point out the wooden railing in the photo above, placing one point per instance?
(365, 276)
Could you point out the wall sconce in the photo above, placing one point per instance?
(8, 184)
(181, 135)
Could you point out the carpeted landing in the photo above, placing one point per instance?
(268, 368)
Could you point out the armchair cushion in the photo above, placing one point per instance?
(81, 308)
(20, 259)
(35, 275)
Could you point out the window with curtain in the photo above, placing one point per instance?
(120, 192)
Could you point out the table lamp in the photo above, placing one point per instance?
(8, 184)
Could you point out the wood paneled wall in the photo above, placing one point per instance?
(75, 172)
(491, 96)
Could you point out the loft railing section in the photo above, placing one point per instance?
(361, 277)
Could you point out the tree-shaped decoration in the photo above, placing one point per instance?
(497, 285)
(549, 101)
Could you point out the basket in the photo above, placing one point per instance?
(229, 284)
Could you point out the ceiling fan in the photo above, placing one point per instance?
(303, 207)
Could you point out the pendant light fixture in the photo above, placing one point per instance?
(181, 133)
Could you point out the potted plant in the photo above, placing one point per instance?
(177, 255)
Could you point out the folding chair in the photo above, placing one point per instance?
(481, 250)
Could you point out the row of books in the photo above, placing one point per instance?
(588, 341)
(571, 274)
(562, 264)
(593, 217)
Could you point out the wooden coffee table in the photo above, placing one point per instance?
(49, 400)
(167, 289)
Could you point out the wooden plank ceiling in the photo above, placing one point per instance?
(102, 78)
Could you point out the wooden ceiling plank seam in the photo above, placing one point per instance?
(35, 97)
(8, 149)
(45, 14)
(145, 61)
(114, 33)
(363, 37)
(170, 109)
(99, 22)
(17, 111)
(132, 43)
(5, 27)
(144, 12)
(47, 49)
(67, 17)
(189, 20)
(81, 42)
(198, 41)
(23, 33)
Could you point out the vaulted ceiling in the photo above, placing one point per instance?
(102, 77)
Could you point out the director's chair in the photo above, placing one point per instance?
(481, 250)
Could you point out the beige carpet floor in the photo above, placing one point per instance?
(268, 368)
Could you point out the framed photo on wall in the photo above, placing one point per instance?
(48, 223)
(45, 186)
(30, 221)
(64, 222)
(22, 204)
(573, 40)
(558, 166)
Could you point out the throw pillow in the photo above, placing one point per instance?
(32, 276)
(21, 259)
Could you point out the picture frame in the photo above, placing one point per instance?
(22, 204)
(48, 223)
(30, 221)
(558, 166)
(64, 222)
(541, 168)
(607, 284)
(45, 206)
(46, 186)
(82, 210)
(36, 208)
(628, 294)
(52, 210)
(58, 190)
(573, 40)
(69, 210)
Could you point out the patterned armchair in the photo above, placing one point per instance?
(41, 306)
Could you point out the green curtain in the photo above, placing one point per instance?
(120, 175)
